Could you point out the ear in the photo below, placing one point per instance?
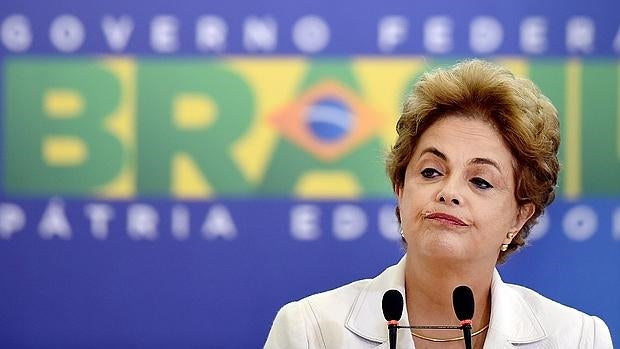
(398, 190)
(525, 213)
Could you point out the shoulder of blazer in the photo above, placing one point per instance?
(520, 316)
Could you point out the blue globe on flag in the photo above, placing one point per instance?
(329, 119)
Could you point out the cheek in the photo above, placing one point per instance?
(499, 218)
(411, 204)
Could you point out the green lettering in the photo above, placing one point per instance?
(56, 142)
(193, 108)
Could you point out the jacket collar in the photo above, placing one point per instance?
(512, 319)
(366, 317)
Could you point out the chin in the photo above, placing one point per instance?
(440, 248)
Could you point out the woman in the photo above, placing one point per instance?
(474, 165)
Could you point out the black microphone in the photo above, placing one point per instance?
(392, 305)
(463, 303)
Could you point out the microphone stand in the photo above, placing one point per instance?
(462, 300)
(392, 329)
(466, 326)
(420, 327)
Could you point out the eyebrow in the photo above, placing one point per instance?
(485, 161)
(435, 152)
(475, 161)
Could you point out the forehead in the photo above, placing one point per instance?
(463, 137)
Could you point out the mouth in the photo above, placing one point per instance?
(445, 219)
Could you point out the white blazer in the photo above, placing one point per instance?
(351, 317)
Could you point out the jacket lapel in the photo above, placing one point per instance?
(366, 317)
(513, 321)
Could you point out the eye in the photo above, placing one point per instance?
(481, 183)
(430, 172)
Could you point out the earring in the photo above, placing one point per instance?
(402, 234)
(504, 247)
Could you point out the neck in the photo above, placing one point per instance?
(429, 286)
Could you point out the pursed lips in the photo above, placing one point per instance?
(445, 218)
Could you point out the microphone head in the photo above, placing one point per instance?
(463, 302)
(392, 305)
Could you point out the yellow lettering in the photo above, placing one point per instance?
(64, 151)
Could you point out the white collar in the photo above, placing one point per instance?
(512, 319)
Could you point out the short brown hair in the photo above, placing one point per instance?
(522, 115)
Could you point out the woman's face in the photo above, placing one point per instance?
(457, 201)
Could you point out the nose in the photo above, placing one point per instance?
(449, 194)
(454, 200)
